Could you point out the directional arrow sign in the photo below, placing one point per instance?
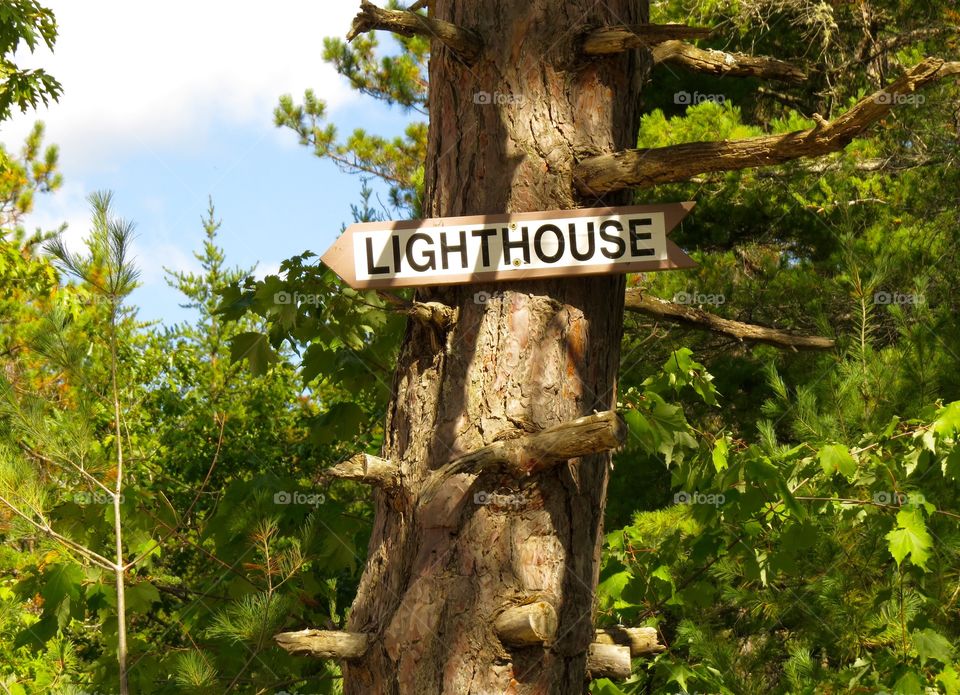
(556, 243)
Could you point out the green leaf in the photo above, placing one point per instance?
(679, 673)
(612, 587)
(640, 430)
(61, 582)
(948, 420)
(317, 361)
(950, 680)
(951, 464)
(794, 507)
(38, 634)
(720, 451)
(909, 684)
(932, 645)
(837, 457)
(603, 686)
(255, 349)
(910, 538)
(343, 421)
(141, 597)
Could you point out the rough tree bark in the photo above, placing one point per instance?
(538, 353)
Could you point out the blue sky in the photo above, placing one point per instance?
(168, 103)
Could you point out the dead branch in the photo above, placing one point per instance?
(617, 39)
(435, 313)
(658, 308)
(649, 167)
(526, 625)
(723, 64)
(608, 661)
(527, 454)
(324, 644)
(368, 469)
(464, 42)
(642, 641)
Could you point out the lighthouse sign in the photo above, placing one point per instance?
(479, 248)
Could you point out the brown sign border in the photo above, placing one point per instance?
(339, 257)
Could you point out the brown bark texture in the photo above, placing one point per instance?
(521, 357)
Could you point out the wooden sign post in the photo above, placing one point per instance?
(453, 250)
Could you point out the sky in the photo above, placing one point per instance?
(167, 104)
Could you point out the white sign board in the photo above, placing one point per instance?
(518, 246)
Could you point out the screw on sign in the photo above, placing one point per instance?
(446, 251)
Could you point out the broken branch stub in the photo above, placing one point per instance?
(324, 644)
(465, 43)
(641, 641)
(526, 625)
(527, 454)
(365, 468)
(608, 661)
(434, 313)
(617, 39)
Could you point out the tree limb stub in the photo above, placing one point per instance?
(723, 64)
(367, 469)
(617, 39)
(324, 644)
(658, 308)
(608, 661)
(527, 625)
(463, 42)
(527, 454)
(641, 641)
(436, 313)
(642, 168)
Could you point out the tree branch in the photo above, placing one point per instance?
(526, 454)
(608, 661)
(90, 555)
(324, 644)
(723, 64)
(698, 318)
(642, 641)
(648, 167)
(617, 39)
(463, 42)
(367, 469)
(527, 624)
(435, 313)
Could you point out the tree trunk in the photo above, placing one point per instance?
(523, 354)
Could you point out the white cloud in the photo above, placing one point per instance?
(151, 254)
(144, 75)
(265, 268)
(68, 205)
(154, 259)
